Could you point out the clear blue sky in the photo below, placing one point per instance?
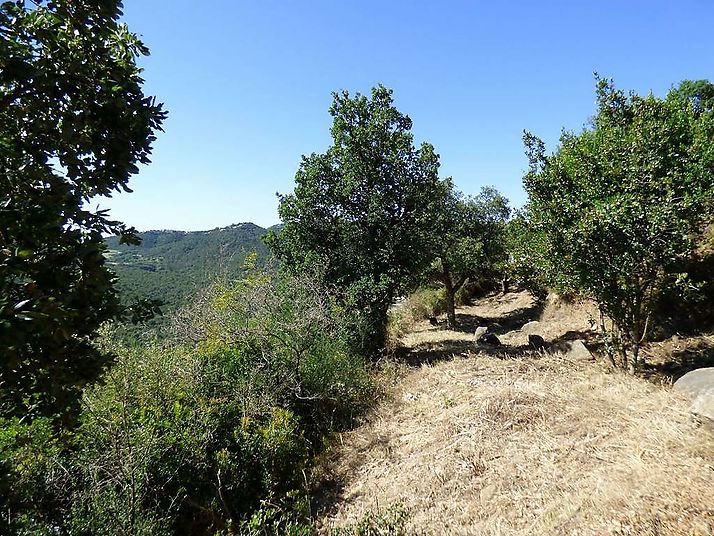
(247, 86)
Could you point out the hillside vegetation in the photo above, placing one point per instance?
(319, 390)
(172, 266)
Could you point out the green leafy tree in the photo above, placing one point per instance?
(470, 242)
(74, 124)
(363, 209)
(700, 93)
(617, 206)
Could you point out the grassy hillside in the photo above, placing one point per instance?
(172, 266)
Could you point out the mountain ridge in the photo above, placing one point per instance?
(172, 266)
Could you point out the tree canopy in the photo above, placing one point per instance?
(469, 242)
(616, 207)
(700, 93)
(74, 124)
(363, 209)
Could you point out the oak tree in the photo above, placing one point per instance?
(469, 242)
(618, 205)
(363, 209)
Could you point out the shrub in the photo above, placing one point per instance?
(615, 209)
(211, 434)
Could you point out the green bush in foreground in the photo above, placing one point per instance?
(212, 435)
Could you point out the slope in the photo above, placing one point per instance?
(506, 441)
(172, 266)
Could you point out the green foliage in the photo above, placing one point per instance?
(31, 479)
(291, 330)
(699, 93)
(213, 434)
(362, 209)
(173, 266)
(528, 255)
(616, 208)
(469, 242)
(179, 441)
(390, 522)
(74, 124)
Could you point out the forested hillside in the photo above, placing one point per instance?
(171, 266)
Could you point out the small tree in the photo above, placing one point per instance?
(616, 206)
(469, 242)
(74, 124)
(363, 209)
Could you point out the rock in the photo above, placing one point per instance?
(699, 386)
(530, 327)
(579, 352)
(536, 342)
(480, 331)
(703, 406)
(489, 338)
(696, 381)
(575, 350)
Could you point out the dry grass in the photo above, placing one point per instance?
(539, 445)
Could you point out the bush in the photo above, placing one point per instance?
(615, 209)
(31, 494)
(212, 434)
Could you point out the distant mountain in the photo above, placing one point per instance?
(172, 266)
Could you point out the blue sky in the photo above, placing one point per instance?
(247, 86)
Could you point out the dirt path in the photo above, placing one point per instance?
(507, 441)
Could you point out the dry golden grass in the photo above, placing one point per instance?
(537, 445)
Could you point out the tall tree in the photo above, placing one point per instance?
(469, 242)
(74, 124)
(363, 209)
(617, 206)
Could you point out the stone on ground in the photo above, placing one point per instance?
(699, 385)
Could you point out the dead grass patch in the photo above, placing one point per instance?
(536, 446)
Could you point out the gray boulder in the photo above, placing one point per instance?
(699, 386)
(530, 326)
(479, 332)
(575, 350)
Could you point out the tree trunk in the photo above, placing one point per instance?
(450, 293)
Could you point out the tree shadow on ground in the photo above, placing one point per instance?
(499, 325)
(681, 361)
(444, 350)
(593, 340)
